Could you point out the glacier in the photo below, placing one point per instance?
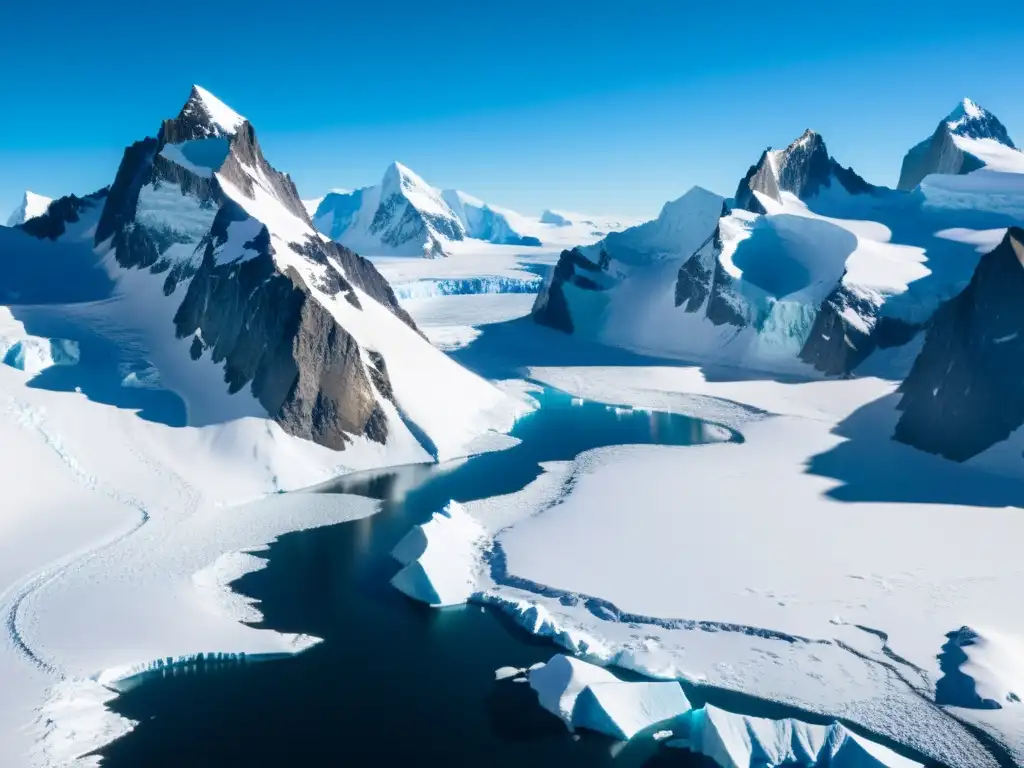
(462, 286)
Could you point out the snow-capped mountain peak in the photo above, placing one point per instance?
(974, 122)
(31, 205)
(399, 179)
(804, 168)
(406, 216)
(245, 310)
(968, 139)
(204, 115)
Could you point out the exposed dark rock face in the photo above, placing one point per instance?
(193, 122)
(61, 212)
(804, 168)
(702, 284)
(939, 153)
(551, 308)
(123, 198)
(412, 224)
(265, 326)
(267, 330)
(760, 178)
(965, 391)
(834, 345)
(245, 150)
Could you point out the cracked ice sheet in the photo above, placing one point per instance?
(746, 535)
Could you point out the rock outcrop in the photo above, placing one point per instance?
(965, 391)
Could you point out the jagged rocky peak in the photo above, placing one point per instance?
(804, 169)
(255, 289)
(965, 392)
(413, 212)
(203, 116)
(953, 146)
(974, 122)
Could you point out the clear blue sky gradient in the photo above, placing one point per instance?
(604, 107)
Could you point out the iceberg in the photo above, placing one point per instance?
(622, 709)
(441, 558)
(559, 682)
(584, 695)
(741, 741)
(33, 354)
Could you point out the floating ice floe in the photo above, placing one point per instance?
(441, 558)
(584, 695)
(33, 354)
(741, 741)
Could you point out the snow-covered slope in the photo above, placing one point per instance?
(405, 216)
(245, 310)
(813, 266)
(482, 222)
(401, 216)
(968, 139)
(31, 205)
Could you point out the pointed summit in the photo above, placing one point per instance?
(400, 177)
(31, 205)
(954, 148)
(412, 210)
(803, 168)
(206, 116)
(974, 122)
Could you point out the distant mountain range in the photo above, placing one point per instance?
(405, 216)
(811, 268)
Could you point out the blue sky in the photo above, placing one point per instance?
(604, 107)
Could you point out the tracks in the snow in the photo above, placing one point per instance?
(33, 419)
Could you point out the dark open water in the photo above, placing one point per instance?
(394, 682)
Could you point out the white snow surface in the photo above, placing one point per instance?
(902, 254)
(561, 680)
(127, 521)
(450, 404)
(441, 557)
(622, 709)
(849, 625)
(31, 205)
(223, 116)
(739, 741)
(32, 354)
(361, 220)
(995, 662)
